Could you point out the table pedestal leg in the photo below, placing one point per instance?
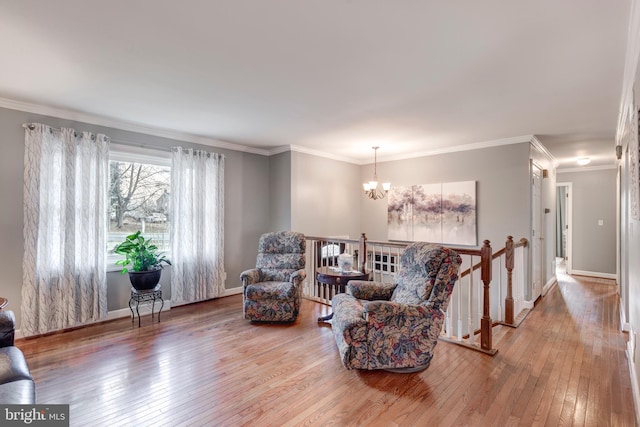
(325, 318)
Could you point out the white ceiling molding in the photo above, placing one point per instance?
(535, 142)
(632, 56)
(130, 127)
(586, 169)
(453, 149)
(457, 148)
(304, 150)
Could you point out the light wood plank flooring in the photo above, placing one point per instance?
(204, 365)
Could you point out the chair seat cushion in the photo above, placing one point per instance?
(270, 290)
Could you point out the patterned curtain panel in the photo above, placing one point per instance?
(65, 196)
(197, 221)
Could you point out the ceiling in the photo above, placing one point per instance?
(332, 76)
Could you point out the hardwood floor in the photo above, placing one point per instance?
(204, 365)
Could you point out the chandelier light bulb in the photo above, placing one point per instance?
(371, 187)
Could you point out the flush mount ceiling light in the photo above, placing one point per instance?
(582, 161)
(371, 187)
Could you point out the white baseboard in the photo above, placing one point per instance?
(547, 287)
(232, 291)
(594, 274)
(624, 325)
(144, 310)
(632, 373)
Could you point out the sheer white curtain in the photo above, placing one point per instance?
(65, 196)
(197, 225)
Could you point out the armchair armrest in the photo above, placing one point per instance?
(362, 289)
(249, 277)
(298, 276)
(7, 328)
(384, 312)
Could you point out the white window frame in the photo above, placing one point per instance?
(127, 153)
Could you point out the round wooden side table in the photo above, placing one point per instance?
(336, 280)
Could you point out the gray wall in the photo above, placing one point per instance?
(593, 198)
(325, 196)
(246, 203)
(280, 192)
(502, 188)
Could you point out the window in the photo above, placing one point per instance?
(139, 196)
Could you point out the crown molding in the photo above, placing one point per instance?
(317, 153)
(535, 142)
(196, 139)
(122, 125)
(434, 152)
(457, 148)
(586, 169)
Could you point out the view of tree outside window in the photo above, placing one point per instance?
(138, 200)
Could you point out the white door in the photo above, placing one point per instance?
(536, 232)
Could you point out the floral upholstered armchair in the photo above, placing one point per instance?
(396, 326)
(272, 290)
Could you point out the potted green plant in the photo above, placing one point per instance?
(142, 261)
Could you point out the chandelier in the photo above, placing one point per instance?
(371, 187)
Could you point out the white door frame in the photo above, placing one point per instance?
(569, 254)
(537, 233)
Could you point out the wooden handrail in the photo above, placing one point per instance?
(522, 242)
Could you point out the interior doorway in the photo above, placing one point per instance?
(537, 254)
(563, 227)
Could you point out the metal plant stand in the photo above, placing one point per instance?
(145, 295)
